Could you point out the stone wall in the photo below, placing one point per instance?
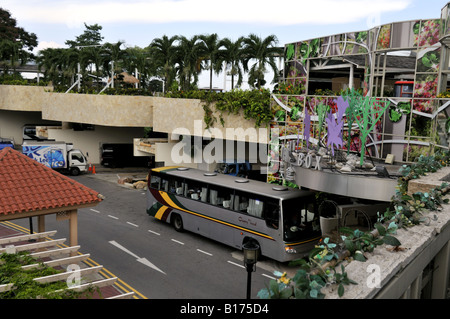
(23, 98)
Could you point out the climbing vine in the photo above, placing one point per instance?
(254, 104)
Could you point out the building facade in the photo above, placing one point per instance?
(403, 65)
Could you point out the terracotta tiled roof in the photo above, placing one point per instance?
(28, 186)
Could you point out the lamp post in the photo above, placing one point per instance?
(251, 251)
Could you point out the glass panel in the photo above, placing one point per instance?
(425, 86)
(384, 37)
(176, 186)
(296, 103)
(196, 190)
(240, 202)
(78, 157)
(300, 219)
(428, 60)
(220, 196)
(402, 35)
(428, 32)
(155, 181)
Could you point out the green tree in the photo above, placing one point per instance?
(90, 37)
(16, 44)
(230, 52)
(163, 53)
(92, 57)
(211, 50)
(60, 65)
(136, 58)
(114, 55)
(263, 52)
(188, 59)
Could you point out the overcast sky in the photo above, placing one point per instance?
(138, 22)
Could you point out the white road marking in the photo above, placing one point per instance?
(141, 260)
(153, 232)
(114, 217)
(178, 242)
(204, 252)
(233, 263)
(132, 224)
(269, 276)
(95, 211)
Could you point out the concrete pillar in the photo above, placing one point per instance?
(41, 223)
(73, 228)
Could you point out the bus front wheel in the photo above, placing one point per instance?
(177, 222)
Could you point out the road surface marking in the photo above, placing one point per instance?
(270, 277)
(114, 217)
(141, 260)
(132, 224)
(153, 232)
(179, 242)
(95, 211)
(233, 263)
(204, 252)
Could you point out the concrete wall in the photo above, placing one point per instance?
(119, 114)
(163, 114)
(23, 98)
(186, 116)
(89, 141)
(12, 122)
(109, 110)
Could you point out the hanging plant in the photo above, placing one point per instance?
(396, 111)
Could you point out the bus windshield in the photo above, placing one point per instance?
(300, 219)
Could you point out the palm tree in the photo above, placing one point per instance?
(264, 52)
(68, 63)
(231, 54)
(92, 56)
(60, 65)
(112, 53)
(136, 58)
(211, 49)
(163, 52)
(189, 57)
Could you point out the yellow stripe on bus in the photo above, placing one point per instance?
(161, 212)
(168, 200)
(159, 169)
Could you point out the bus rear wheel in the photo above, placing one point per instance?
(177, 222)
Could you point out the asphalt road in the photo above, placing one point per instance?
(150, 256)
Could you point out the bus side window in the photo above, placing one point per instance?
(220, 196)
(155, 181)
(240, 202)
(272, 214)
(255, 207)
(197, 191)
(164, 185)
(175, 186)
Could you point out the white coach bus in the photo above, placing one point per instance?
(283, 221)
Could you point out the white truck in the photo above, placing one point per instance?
(57, 155)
